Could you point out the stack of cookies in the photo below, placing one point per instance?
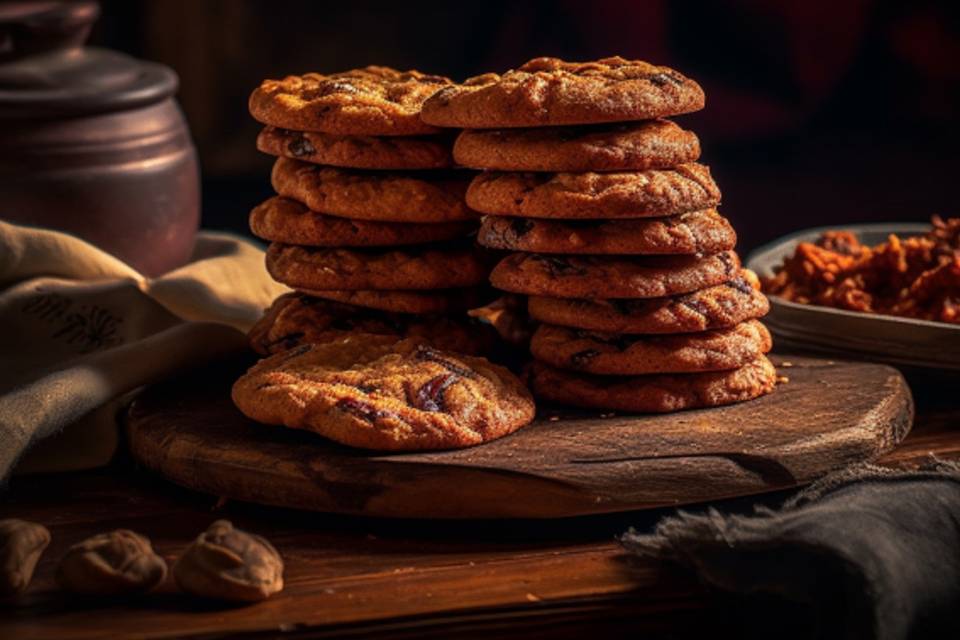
(369, 226)
(614, 234)
(371, 230)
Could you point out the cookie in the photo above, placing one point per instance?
(725, 305)
(657, 393)
(415, 268)
(281, 219)
(294, 319)
(697, 232)
(619, 354)
(359, 152)
(436, 301)
(372, 392)
(612, 277)
(631, 146)
(366, 195)
(551, 92)
(373, 101)
(638, 194)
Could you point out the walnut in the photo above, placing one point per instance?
(21, 545)
(230, 564)
(118, 562)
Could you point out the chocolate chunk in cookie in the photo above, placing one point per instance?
(358, 152)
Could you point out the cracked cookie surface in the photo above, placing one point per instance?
(551, 92)
(697, 232)
(725, 305)
(415, 268)
(373, 392)
(619, 354)
(373, 195)
(376, 101)
(612, 276)
(358, 152)
(657, 393)
(453, 300)
(285, 220)
(637, 194)
(635, 146)
(294, 319)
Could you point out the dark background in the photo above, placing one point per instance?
(817, 112)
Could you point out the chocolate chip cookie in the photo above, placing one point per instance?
(373, 101)
(368, 195)
(657, 393)
(619, 354)
(551, 92)
(631, 146)
(427, 302)
(294, 319)
(415, 268)
(725, 305)
(697, 232)
(373, 392)
(612, 277)
(359, 152)
(281, 219)
(638, 194)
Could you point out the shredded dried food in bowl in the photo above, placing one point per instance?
(916, 277)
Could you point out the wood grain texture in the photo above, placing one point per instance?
(827, 415)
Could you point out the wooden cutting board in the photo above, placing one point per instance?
(828, 414)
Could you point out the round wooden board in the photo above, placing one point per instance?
(829, 414)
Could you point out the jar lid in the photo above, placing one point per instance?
(46, 71)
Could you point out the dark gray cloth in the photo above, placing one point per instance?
(867, 552)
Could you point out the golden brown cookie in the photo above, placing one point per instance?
(372, 392)
(612, 277)
(435, 301)
(656, 393)
(697, 232)
(358, 152)
(725, 305)
(373, 101)
(368, 195)
(294, 319)
(551, 92)
(623, 146)
(640, 194)
(619, 354)
(413, 268)
(285, 220)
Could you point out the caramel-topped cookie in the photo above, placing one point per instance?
(294, 319)
(619, 354)
(697, 232)
(551, 92)
(373, 101)
(623, 146)
(370, 195)
(612, 277)
(435, 301)
(638, 194)
(282, 219)
(725, 305)
(373, 392)
(358, 152)
(415, 268)
(656, 393)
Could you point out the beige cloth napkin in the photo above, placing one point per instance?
(80, 330)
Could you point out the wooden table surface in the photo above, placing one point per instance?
(362, 577)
